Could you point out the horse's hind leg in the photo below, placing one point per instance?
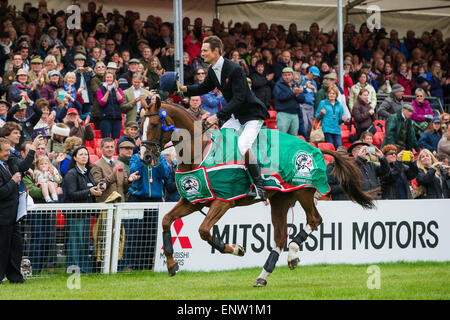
(280, 204)
(181, 209)
(313, 220)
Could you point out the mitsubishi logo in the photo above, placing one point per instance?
(184, 241)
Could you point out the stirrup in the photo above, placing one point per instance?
(257, 193)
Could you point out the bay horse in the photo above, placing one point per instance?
(157, 126)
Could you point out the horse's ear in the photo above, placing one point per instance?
(158, 102)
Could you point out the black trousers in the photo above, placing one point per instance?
(11, 248)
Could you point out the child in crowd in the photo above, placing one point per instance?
(47, 178)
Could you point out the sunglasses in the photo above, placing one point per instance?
(391, 153)
(201, 73)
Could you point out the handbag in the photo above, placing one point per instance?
(317, 134)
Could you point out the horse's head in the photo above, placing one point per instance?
(156, 132)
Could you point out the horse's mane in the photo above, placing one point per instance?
(179, 107)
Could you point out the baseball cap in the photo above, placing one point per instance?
(132, 124)
(72, 110)
(315, 71)
(79, 56)
(134, 60)
(287, 69)
(436, 119)
(330, 76)
(408, 107)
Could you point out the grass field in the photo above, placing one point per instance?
(398, 281)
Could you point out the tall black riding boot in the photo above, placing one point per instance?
(258, 192)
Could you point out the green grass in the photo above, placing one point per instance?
(420, 280)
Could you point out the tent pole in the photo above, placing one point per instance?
(178, 38)
(340, 44)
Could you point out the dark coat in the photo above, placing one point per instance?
(241, 101)
(9, 198)
(28, 123)
(262, 87)
(406, 171)
(393, 127)
(285, 99)
(336, 191)
(360, 112)
(78, 185)
(436, 187)
(371, 172)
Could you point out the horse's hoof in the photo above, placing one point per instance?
(293, 263)
(173, 270)
(260, 283)
(238, 250)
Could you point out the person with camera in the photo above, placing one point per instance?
(403, 169)
(433, 178)
(80, 188)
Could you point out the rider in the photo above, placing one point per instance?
(243, 109)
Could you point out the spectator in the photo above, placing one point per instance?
(331, 113)
(69, 87)
(4, 107)
(370, 172)
(444, 143)
(125, 153)
(96, 82)
(167, 58)
(84, 76)
(18, 114)
(432, 178)
(50, 90)
(80, 188)
(132, 98)
(371, 77)
(436, 81)
(287, 98)
(195, 109)
(262, 84)
(395, 185)
(60, 132)
(77, 127)
(363, 114)
(404, 78)
(309, 91)
(400, 131)
(392, 103)
(386, 80)
(131, 134)
(125, 78)
(109, 97)
(109, 174)
(422, 114)
(354, 91)
(11, 75)
(348, 81)
(155, 72)
(45, 123)
(445, 120)
(367, 137)
(284, 62)
(171, 193)
(431, 137)
(47, 178)
(20, 87)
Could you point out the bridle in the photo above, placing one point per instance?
(160, 144)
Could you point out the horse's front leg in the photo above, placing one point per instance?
(181, 209)
(216, 211)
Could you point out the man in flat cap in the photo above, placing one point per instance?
(399, 129)
(36, 77)
(83, 80)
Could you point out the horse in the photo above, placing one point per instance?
(159, 121)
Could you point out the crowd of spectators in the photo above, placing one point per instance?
(67, 85)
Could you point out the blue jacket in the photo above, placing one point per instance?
(429, 140)
(143, 188)
(213, 102)
(330, 120)
(285, 100)
(310, 95)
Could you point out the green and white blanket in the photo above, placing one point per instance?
(287, 163)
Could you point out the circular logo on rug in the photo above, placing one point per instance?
(190, 184)
(303, 162)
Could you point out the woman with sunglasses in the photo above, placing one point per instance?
(212, 101)
(96, 82)
(422, 112)
(395, 185)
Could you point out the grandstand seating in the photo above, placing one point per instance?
(326, 145)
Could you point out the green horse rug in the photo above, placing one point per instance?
(287, 163)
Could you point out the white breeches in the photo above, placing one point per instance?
(250, 131)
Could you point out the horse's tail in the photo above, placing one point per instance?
(349, 177)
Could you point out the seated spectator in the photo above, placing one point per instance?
(432, 178)
(60, 132)
(132, 97)
(195, 109)
(109, 97)
(363, 114)
(370, 172)
(4, 107)
(392, 103)
(46, 121)
(445, 120)
(130, 134)
(47, 178)
(431, 137)
(287, 98)
(332, 115)
(400, 131)
(80, 188)
(367, 137)
(444, 143)
(422, 114)
(50, 90)
(395, 185)
(262, 84)
(354, 91)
